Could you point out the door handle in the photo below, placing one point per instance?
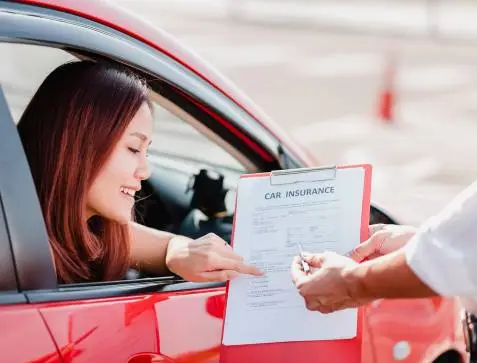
(150, 358)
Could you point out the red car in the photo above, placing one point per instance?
(203, 123)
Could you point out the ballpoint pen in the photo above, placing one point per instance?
(304, 264)
(349, 254)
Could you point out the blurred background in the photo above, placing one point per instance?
(387, 82)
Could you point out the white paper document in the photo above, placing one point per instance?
(322, 214)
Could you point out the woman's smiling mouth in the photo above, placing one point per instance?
(128, 193)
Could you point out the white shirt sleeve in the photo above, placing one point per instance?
(443, 253)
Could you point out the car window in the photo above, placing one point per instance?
(23, 68)
(176, 139)
(181, 145)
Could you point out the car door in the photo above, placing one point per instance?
(149, 321)
(24, 336)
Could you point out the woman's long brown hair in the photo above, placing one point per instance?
(68, 131)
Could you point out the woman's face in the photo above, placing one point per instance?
(112, 192)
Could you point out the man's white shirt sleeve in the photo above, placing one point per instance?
(443, 253)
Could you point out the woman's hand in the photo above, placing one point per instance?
(383, 239)
(208, 258)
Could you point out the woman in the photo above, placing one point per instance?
(86, 133)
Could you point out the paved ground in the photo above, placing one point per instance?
(449, 18)
(322, 87)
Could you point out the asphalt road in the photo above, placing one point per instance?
(323, 87)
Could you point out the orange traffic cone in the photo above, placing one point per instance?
(386, 96)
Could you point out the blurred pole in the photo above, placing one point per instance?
(387, 93)
(432, 15)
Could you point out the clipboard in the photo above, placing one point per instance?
(319, 351)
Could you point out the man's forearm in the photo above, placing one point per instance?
(385, 277)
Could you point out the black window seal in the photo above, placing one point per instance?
(118, 289)
(12, 298)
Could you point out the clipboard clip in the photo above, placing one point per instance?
(293, 176)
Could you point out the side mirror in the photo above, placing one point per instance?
(378, 215)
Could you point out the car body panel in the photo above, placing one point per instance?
(124, 329)
(429, 327)
(24, 336)
(83, 329)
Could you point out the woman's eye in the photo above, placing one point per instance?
(134, 151)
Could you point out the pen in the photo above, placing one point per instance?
(348, 254)
(304, 264)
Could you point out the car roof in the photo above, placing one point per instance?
(114, 16)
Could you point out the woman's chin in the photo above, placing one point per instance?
(121, 217)
(125, 219)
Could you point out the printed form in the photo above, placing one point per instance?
(322, 214)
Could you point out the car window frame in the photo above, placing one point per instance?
(174, 112)
(16, 185)
(65, 31)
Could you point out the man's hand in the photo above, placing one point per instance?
(325, 289)
(208, 258)
(383, 239)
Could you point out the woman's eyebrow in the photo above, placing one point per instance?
(141, 136)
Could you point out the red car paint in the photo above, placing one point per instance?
(24, 336)
(138, 328)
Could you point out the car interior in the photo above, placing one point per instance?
(195, 164)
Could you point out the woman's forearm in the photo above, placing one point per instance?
(385, 277)
(149, 249)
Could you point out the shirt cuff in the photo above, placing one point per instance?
(438, 265)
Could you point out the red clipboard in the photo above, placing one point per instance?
(319, 351)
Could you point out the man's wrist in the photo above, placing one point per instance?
(388, 277)
(354, 282)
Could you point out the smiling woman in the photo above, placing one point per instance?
(86, 133)
(67, 146)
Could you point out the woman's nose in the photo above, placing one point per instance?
(143, 172)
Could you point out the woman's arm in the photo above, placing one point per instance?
(208, 258)
(149, 249)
